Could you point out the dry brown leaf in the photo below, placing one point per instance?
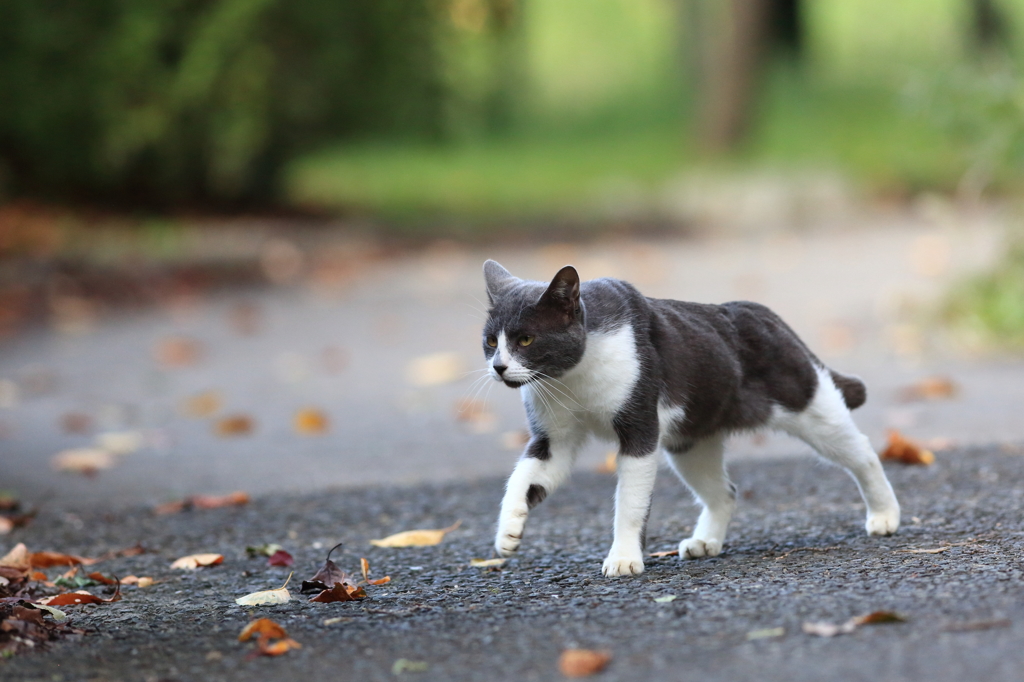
(364, 566)
(234, 425)
(486, 563)
(262, 627)
(822, 629)
(610, 463)
(340, 592)
(50, 559)
(583, 662)
(178, 351)
(81, 597)
(267, 597)
(906, 451)
(194, 561)
(415, 538)
(87, 461)
(930, 388)
(878, 618)
(434, 370)
(328, 575)
(311, 422)
(201, 405)
(935, 550)
(120, 442)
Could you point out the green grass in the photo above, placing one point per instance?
(988, 309)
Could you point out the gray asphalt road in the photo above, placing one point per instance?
(796, 554)
(340, 338)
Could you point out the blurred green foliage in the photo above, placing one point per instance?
(988, 308)
(159, 101)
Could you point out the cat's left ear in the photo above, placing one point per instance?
(564, 292)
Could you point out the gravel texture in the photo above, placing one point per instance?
(796, 553)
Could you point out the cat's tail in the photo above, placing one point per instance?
(855, 393)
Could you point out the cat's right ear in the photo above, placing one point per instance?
(497, 279)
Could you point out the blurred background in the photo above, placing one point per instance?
(242, 238)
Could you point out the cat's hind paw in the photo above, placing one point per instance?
(616, 565)
(695, 548)
(883, 523)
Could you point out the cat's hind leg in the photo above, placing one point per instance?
(544, 466)
(827, 426)
(702, 468)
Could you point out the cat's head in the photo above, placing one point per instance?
(533, 330)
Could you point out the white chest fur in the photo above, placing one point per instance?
(589, 395)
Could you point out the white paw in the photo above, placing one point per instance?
(621, 564)
(883, 523)
(695, 548)
(510, 532)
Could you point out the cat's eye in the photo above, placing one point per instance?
(492, 341)
(525, 340)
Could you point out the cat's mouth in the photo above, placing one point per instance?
(514, 384)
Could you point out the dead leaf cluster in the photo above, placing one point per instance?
(103, 454)
(903, 450)
(24, 626)
(333, 584)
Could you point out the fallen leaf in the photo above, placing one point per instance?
(282, 646)
(822, 629)
(280, 558)
(364, 566)
(194, 561)
(404, 665)
(930, 388)
(87, 461)
(233, 425)
(262, 550)
(145, 581)
(415, 538)
(102, 579)
(120, 442)
(262, 627)
(935, 550)
(50, 559)
(666, 599)
(879, 617)
(81, 597)
(201, 405)
(178, 351)
(236, 498)
(311, 422)
(9, 523)
(905, 451)
(328, 575)
(434, 370)
(75, 422)
(267, 597)
(583, 662)
(515, 440)
(17, 558)
(671, 552)
(57, 614)
(340, 592)
(610, 463)
(486, 563)
(765, 633)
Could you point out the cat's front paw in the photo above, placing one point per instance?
(622, 564)
(883, 523)
(695, 548)
(510, 532)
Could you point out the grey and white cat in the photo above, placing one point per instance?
(599, 358)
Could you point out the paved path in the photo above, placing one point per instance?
(342, 335)
(796, 554)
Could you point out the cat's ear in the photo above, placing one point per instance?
(564, 292)
(497, 279)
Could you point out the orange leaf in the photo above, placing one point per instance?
(282, 646)
(234, 425)
(178, 352)
(311, 422)
(205, 404)
(365, 566)
(930, 388)
(194, 561)
(18, 558)
(102, 579)
(50, 559)
(583, 662)
(236, 498)
(904, 450)
(81, 597)
(340, 592)
(379, 581)
(262, 627)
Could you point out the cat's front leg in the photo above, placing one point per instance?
(632, 506)
(542, 468)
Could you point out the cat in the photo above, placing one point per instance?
(599, 358)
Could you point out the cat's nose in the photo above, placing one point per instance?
(500, 369)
